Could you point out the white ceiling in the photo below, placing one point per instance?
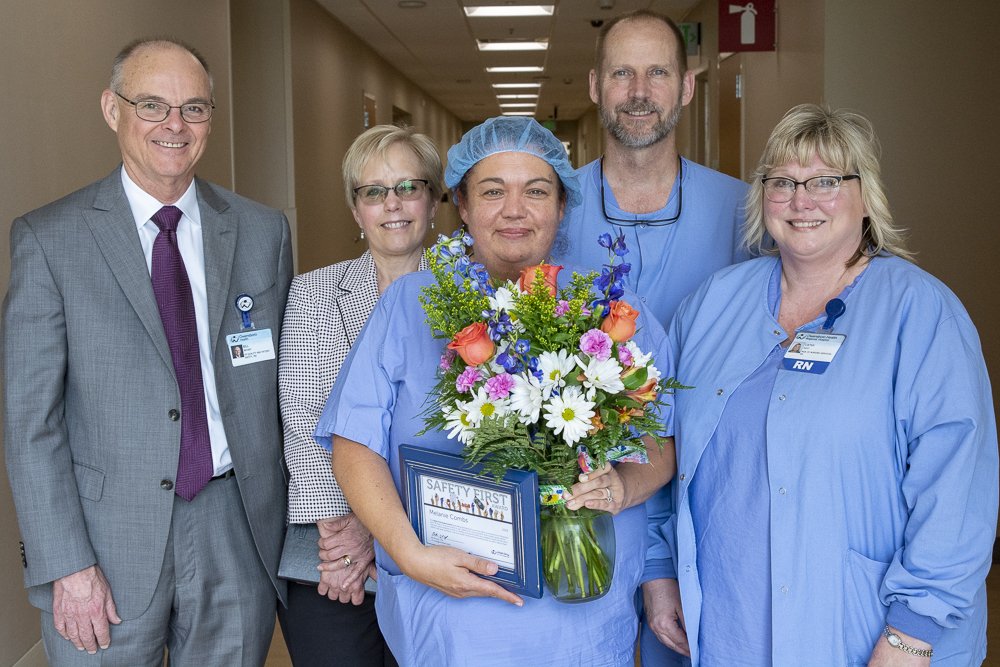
(435, 47)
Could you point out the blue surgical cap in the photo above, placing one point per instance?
(518, 134)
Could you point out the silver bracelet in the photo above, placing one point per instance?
(897, 642)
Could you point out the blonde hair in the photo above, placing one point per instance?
(375, 142)
(846, 142)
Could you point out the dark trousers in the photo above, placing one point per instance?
(320, 632)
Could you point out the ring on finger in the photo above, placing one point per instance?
(610, 496)
(347, 561)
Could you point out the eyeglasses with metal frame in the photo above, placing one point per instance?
(660, 222)
(781, 189)
(156, 111)
(408, 190)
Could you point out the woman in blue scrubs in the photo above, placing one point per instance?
(837, 457)
(512, 182)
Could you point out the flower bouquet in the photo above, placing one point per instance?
(540, 378)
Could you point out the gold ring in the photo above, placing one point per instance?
(611, 497)
(347, 561)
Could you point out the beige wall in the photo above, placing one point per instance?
(331, 71)
(926, 75)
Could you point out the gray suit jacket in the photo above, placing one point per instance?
(89, 384)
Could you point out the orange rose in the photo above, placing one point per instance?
(473, 344)
(620, 322)
(549, 273)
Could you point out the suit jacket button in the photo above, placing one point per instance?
(166, 485)
(174, 415)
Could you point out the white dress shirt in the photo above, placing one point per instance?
(192, 249)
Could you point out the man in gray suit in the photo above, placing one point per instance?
(145, 458)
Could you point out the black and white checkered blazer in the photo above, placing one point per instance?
(325, 312)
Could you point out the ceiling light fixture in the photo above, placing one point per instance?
(502, 45)
(505, 70)
(509, 10)
(517, 113)
(519, 105)
(517, 85)
(411, 4)
(522, 96)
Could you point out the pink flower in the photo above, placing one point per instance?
(625, 356)
(468, 378)
(446, 359)
(562, 307)
(597, 344)
(499, 386)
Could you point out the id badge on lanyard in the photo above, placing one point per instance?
(813, 352)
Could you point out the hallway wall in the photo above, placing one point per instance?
(331, 72)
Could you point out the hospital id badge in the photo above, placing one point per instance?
(250, 347)
(812, 352)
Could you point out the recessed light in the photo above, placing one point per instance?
(509, 10)
(517, 85)
(503, 45)
(519, 105)
(502, 70)
(522, 96)
(517, 113)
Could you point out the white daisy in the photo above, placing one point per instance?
(569, 414)
(526, 398)
(639, 358)
(481, 406)
(603, 376)
(502, 299)
(555, 366)
(458, 423)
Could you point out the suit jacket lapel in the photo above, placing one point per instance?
(114, 230)
(218, 231)
(357, 295)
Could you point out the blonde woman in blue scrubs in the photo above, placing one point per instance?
(837, 504)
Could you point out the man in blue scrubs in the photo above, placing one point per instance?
(681, 222)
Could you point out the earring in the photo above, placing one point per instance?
(362, 235)
(432, 223)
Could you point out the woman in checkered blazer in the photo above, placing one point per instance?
(393, 181)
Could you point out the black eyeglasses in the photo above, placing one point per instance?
(155, 111)
(408, 190)
(641, 221)
(781, 189)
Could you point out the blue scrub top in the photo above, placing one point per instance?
(668, 261)
(377, 401)
(881, 473)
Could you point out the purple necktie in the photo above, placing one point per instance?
(173, 297)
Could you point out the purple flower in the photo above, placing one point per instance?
(468, 378)
(499, 386)
(625, 356)
(446, 359)
(562, 307)
(597, 344)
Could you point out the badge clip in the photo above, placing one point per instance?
(834, 309)
(244, 303)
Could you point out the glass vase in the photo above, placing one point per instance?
(578, 552)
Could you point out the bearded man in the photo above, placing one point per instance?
(682, 222)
